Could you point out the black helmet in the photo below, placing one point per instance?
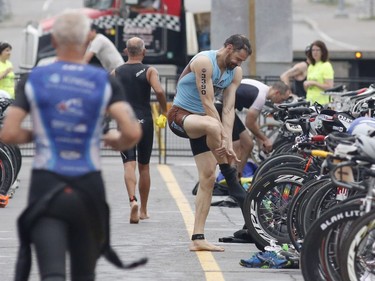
(331, 121)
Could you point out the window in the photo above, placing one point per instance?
(99, 4)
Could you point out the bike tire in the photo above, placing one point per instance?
(314, 249)
(18, 155)
(285, 148)
(7, 172)
(293, 225)
(314, 203)
(14, 154)
(282, 139)
(266, 205)
(353, 258)
(276, 161)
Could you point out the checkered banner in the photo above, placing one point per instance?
(140, 21)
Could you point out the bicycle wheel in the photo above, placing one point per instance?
(317, 255)
(15, 156)
(284, 148)
(357, 254)
(318, 201)
(18, 157)
(266, 205)
(277, 161)
(293, 225)
(283, 138)
(321, 200)
(7, 172)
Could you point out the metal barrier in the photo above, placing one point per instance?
(167, 144)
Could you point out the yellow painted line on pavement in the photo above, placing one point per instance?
(206, 259)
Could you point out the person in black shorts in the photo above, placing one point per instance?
(138, 79)
(194, 116)
(67, 210)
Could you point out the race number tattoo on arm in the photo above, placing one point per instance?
(203, 81)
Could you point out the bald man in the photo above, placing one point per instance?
(138, 79)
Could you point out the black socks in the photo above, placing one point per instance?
(234, 187)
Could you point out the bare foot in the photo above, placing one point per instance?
(143, 216)
(203, 245)
(134, 217)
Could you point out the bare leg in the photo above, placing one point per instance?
(206, 165)
(246, 145)
(144, 188)
(197, 126)
(131, 182)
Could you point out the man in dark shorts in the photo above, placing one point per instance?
(194, 116)
(138, 79)
(67, 209)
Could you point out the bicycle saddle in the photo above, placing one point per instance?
(298, 111)
(294, 104)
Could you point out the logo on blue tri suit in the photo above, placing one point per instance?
(70, 116)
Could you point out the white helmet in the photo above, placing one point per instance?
(366, 146)
(362, 126)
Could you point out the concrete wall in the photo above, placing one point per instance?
(273, 31)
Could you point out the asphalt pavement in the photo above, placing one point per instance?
(163, 239)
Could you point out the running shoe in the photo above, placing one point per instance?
(273, 260)
(254, 262)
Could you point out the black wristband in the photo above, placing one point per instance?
(197, 237)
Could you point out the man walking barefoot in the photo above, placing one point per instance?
(138, 79)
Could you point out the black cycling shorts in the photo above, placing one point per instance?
(144, 147)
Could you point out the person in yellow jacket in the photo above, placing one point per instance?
(320, 74)
(6, 70)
